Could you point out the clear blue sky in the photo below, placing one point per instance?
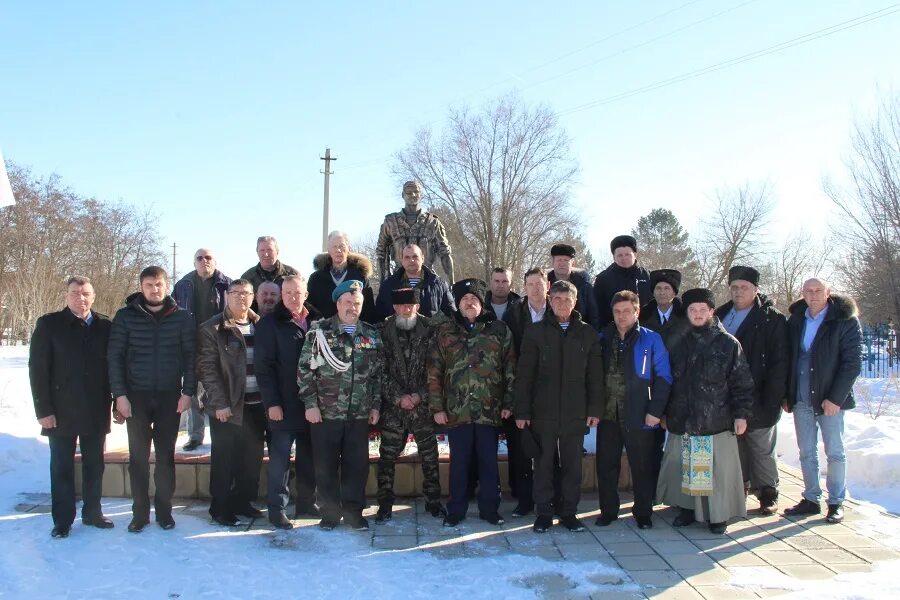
(215, 113)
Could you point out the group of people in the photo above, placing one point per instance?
(691, 389)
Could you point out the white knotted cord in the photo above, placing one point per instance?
(325, 351)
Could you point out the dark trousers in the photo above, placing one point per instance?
(479, 441)
(557, 471)
(234, 462)
(341, 457)
(62, 476)
(641, 447)
(279, 469)
(154, 418)
(521, 474)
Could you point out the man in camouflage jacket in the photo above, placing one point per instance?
(407, 337)
(470, 388)
(339, 380)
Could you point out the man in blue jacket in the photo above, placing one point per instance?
(202, 294)
(151, 375)
(638, 381)
(434, 292)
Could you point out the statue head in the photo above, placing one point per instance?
(412, 194)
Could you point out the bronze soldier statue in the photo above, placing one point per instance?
(412, 225)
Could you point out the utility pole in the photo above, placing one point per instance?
(328, 172)
(174, 272)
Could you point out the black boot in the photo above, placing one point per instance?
(385, 511)
(684, 518)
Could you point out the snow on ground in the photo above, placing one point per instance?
(872, 445)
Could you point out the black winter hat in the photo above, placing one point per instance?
(405, 296)
(621, 241)
(745, 274)
(469, 286)
(670, 276)
(562, 250)
(698, 295)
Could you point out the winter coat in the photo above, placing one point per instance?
(436, 296)
(513, 297)
(402, 376)
(836, 359)
(614, 279)
(764, 339)
(339, 395)
(471, 371)
(712, 383)
(559, 376)
(321, 285)
(586, 304)
(222, 365)
(648, 376)
(276, 352)
(149, 353)
(257, 275)
(518, 318)
(69, 374)
(675, 327)
(183, 292)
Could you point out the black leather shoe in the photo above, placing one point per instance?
(542, 524)
(522, 510)
(191, 445)
(436, 509)
(768, 500)
(100, 522)
(327, 524)
(249, 511)
(453, 520)
(357, 523)
(137, 525)
(804, 507)
(306, 510)
(60, 531)
(572, 523)
(605, 520)
(684, 518)
(227, 520)
(385, 512)
(718, 528)
(644, 522)
(280, 520)
(166, 522)
(835, 513)
(492, 518)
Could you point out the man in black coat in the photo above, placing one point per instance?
(332, 268)
(434, 292)
(623, 274)
(563, 256)
(279, 340)
(762, 331)
(826, 356)
(710, 403)
(151, 375)
(70, 387)
(500, 295)
(665, 314)
(559, 391)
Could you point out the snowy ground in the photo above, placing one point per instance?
(197, 560)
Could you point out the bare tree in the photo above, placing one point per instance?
(799, 258)
(499, 178)
(869, 231)
(733, 233)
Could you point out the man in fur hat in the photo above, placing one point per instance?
(623, 274)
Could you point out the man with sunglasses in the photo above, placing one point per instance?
(202, 294)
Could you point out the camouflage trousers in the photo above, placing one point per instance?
(396, 425)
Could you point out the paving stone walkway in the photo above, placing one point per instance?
(663, 562)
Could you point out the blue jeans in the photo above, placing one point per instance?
(481, 441)
(807, 425)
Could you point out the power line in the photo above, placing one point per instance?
(797, 41)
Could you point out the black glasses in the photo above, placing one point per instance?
(206, 257)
